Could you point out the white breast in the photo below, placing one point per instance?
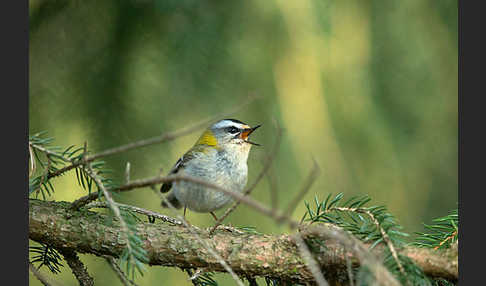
(222, 168)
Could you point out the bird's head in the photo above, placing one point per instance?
(228, 134)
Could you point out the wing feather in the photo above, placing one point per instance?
(178, 165)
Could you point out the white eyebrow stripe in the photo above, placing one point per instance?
(228, 123)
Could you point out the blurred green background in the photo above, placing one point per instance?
(367, 88)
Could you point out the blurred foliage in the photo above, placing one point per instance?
(367, 88)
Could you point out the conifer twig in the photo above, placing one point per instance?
(49, 152)
(121, 275)
(445, 240)
(77, 267)
(137, 210)
(385, 236)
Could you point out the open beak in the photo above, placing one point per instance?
(246, 132)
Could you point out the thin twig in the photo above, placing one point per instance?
(273, 185)
(214, 253)
(349, 268)
(31, 161)
(121, 275)
(381, 274)
(208, 247)
(235, 195)
(175, 178)
(272, 181)
(305, 188)
(192, 276)
(135, 184)
(445, 240)
(269, 160)
(226, 228)
(77, 267)
(311, 262)
(43, 178)
(50, 153)
(111, 203)
(137, 210)
(161, 171)
(127, 173)
(39, 275)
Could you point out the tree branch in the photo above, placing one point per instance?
(172, 245)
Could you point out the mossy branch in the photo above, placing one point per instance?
(248, 254)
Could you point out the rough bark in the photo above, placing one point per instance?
(248, 254)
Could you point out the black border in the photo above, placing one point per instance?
(471, 130)
(14, 86)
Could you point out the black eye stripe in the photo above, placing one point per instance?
(232, 129)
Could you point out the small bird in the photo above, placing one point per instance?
(220, 157)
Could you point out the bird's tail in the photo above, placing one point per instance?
(171, 198)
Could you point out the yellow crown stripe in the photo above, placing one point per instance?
(207, 138)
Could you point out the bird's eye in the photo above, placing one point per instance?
(232, 129)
